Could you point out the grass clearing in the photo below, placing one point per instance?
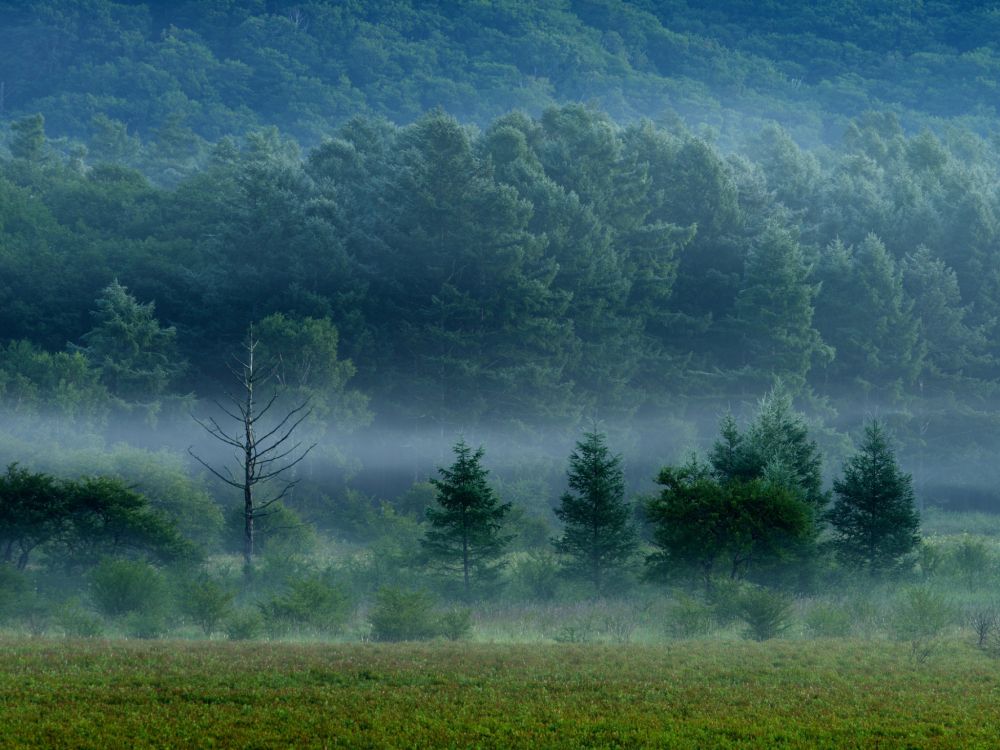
(697, 693)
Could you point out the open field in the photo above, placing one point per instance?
(712, 693)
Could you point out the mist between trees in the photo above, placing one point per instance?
(584, 298)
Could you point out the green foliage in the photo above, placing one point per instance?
(33, 512)
(308, 367)
(123, 587)
(76, 621)
(598, 537)
(537, 575)
(244, 625)
(767, 613)
(874, 521)
(13, 585)
(312, 603)
(465, 528)
(973, 561)
(920, 618)
(455, 624)
(688, 617)
(137, 358)
(399, 615)
(704, 526)
(207, 602)
(829, 620)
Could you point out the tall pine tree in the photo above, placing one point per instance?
(598, 537)
(874, 520)
(465, 527)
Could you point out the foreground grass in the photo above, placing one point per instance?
(111, 694)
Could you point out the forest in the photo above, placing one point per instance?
(497, 274)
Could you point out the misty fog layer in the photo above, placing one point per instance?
(290, 291)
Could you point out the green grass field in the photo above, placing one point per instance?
(697, 694)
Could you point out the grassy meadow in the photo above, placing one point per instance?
(687, 693)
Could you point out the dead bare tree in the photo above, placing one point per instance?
(263, 455)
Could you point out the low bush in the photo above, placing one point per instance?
(767, 613)
(688, 617)
(400, 615)
(244, 625)
(829, 620)
(311, 603)
(455, 624)
(123, 587)
(920, 618)
(206, 602)
(76, 621)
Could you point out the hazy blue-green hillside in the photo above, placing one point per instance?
(168, 71)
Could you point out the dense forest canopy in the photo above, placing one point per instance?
(170, 74)
(502, 219)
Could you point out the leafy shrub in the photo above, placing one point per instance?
(766, 613)
(972, 561)
(147, 624)
(929, 559)
(122, 587)
(206, 602)
(920, 618)
(13, 586)
(580, 630)
(400, 615)
(726, 598)
(310, 603)
(688, 617)
(78, 622)
(244, 625)
(455, 624)
(537, 575)
(828, 620)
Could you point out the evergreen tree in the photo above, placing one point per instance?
(864, 311)
(874, 520)
(774, 311)
(137, 358)
(598, 537)
(775, 445)
(465, 533)
(28, 138)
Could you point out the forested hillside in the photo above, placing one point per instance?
(506, 219)
(170, 75)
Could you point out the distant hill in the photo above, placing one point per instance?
(170, 71)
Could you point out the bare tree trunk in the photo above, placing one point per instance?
(262, 457)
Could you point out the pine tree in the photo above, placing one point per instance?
(874, 520)
(598, 537)
(774, 311)
(465, 533)
(137, 358)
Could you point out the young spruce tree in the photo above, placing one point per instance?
(465, 533)
(874, 520)
(598, 537)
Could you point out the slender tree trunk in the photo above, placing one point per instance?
(249, 471)
(22, 561)
(465, 555)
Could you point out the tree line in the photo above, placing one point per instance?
(754, 510)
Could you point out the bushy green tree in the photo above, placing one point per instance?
(874, 521)
(465, 526)
(137, 357)
(774, 312)
(598, 537)
(33, 509)
(707, 526)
